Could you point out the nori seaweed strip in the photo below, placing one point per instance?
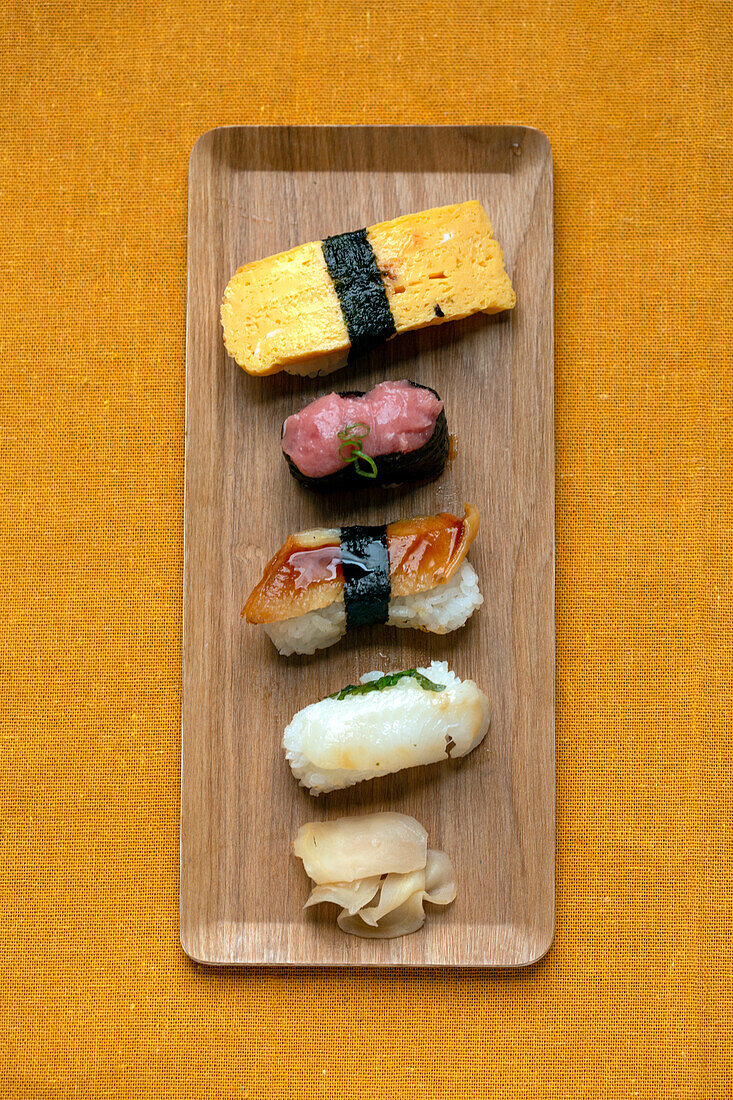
(365, 563)
(352, 266)
(424, 464)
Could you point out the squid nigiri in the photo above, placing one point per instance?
(384, 724)
(411, 573)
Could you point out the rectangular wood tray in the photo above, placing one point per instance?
(253, 192)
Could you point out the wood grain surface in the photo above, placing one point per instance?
(252, 192)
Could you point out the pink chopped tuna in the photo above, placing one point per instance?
(400, 417)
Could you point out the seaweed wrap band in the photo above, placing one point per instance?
(358, 282)
(365, 564)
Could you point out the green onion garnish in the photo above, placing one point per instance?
(350, 450)
(386, 681)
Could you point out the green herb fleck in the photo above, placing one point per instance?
(387, 681)
(350, 450)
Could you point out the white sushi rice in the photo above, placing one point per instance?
(307, 633)
(440, 610)
(338, 742)
(318, 366)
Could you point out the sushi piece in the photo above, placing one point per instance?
(306, 310)
(411, 573)
(396, 432)
(381, 858)
(383, 724)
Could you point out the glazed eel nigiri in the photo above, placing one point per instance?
(396, 432)
(411, 573)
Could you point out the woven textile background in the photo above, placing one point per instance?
(100, 105)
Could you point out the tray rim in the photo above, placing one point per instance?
(544, 948)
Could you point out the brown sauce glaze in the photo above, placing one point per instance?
(304, 567)
(421, 553)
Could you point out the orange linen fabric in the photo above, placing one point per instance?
(101, 104)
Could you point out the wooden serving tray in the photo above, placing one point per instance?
(252, 192)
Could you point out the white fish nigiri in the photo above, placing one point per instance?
(385, 723)
(382, 858)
